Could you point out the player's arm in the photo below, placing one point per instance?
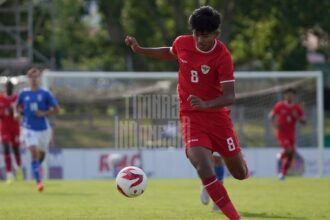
(162, 53)
(53, 106)
(226, 99)
(53, 110)
(18, 107)
(300, 115)
(272, 117)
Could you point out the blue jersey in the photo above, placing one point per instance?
(32, 101)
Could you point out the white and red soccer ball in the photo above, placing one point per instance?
(131, 181)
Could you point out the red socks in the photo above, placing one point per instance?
(286, 163)
(219, 195)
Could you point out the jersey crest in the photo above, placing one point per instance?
(205, 68)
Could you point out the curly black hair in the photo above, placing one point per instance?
(205, 19)
(9, 87)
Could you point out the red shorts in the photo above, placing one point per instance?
(10, 136)
(212, 130)
(286, 141)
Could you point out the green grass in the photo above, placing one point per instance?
(260, 199)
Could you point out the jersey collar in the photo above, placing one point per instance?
(215, 44)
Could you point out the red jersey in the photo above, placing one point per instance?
(287, 116)
(6, 112)
(201, 73)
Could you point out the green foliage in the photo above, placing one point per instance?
(265, 35)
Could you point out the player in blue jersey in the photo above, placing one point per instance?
(36, 105)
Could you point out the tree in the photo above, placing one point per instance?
(264, 35)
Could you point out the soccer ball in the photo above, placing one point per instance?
(131, 181)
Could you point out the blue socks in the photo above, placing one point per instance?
(35, 170)
(219, 172)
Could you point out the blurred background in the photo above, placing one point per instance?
(88, 35)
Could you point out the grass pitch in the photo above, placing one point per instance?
(260, 199)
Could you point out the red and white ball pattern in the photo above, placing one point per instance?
(131, 181)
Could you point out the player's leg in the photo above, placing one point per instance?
(35, 162)
(31, 140)
(201, 159)
(36, 166)
(200, 155)
(18, 171)
(279, 157)
(230, 150)
(219, 170)
(43, 143)
(287, 145)
(237, 166)
(283, 159)
(15, 143)
(42, 156)
(17, 154)
(219, 167)
(286, 162)
(8, 163)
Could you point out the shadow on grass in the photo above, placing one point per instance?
(263, 215)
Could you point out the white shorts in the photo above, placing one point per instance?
(40, 139)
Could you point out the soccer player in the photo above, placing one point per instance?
(219, 170)
(10, 131)
(205, 87)
(37, 104)
(284, 116)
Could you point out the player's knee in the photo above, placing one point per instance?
(240, 174)
(204, 170)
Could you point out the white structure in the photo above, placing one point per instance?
(163, 163)
(256, 93)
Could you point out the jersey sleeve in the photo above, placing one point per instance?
(52, 101)
(276, 108)
(226, 69)
(174, 47)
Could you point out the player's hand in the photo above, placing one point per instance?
(40, 113)
(196, 102)
(16, 115)
(132, 42)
